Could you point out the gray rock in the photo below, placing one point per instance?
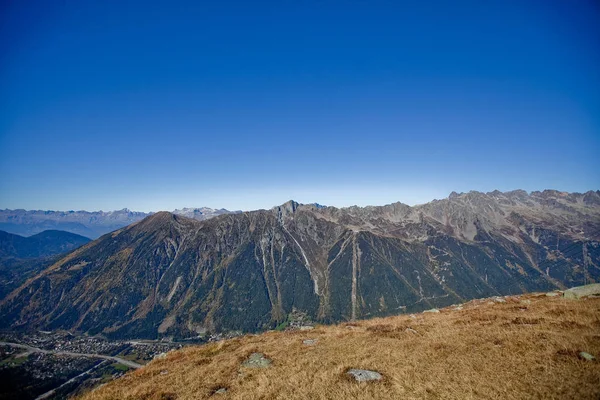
(164, 372)
(552, 294)
(257, 360)
(221, 391)
(499, 300)
(587, 356)
(310, 342)
(433, 310)
(582, 291)
(364, 375)
(307, 328)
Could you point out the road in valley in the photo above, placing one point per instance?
(31, 349)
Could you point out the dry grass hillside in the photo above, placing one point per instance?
(524, 348)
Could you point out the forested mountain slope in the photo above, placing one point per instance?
(168, 275)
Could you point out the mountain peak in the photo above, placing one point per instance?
(157, 220)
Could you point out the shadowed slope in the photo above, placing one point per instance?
(43, 244)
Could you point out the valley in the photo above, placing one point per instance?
(59, 364)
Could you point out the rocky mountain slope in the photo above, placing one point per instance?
(90, 224)
(169, 275)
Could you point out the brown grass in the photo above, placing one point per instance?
(485, 351)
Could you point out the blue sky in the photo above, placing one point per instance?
(244, 105)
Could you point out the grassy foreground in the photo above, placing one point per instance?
(524, 348)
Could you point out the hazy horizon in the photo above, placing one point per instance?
(349, 203)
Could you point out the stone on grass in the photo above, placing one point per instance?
(364, 375)
(582, 291)
(433, 310)
(164, 372)
(221, 391)
(310, 342)
(307, 328)
(257, 360)
(587, 356)
(499, 300)
(552, 294)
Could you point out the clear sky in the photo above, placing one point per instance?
(244, 105)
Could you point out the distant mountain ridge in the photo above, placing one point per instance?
(43, 244)
(169, 275)
(90, 224)
(22, 257)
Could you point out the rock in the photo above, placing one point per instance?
(433, 310)
(582, 291)
(457, 308)
(221, 391)
(164, 372)
(411, 330)
(552, 294)
(160, 356)
(499, 300)
(364, 375)
(586, 356)
(310, 342)
(307, 328)
(257, 360)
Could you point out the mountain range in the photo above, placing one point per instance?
(90, 224)
(172, 276)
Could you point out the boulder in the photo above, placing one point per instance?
(433, 310)
(257, 360)
(586, 356)
(582, 291)
(364, 375)
(307, 328)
